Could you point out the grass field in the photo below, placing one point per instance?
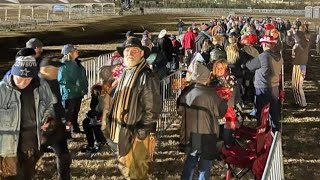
(301, 128)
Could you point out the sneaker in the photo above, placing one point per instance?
(48, 149)
(303, 107)
(77, 130)
(68, 136)
(253, 113)
(87, 149)
(98, 145)
(113, 146)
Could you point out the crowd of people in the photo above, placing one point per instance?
(229, 63)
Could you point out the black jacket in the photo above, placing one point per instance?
(165, 45)
(57, 106)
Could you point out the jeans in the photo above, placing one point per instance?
(190, 165)
(93, 132)
(180, 30)
(265, 96)
(72, 107)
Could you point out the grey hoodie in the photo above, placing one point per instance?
(267, 67)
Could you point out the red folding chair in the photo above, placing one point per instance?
(248, 133)
(244, 157)
(260, 163)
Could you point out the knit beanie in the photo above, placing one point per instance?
(34, 43)
(25, 66)
(26, 52)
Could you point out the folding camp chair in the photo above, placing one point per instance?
(260, 163)
(244, 157)
(248, 133)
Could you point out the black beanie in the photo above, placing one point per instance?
(26, 52)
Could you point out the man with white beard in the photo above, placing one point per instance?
(135, 110)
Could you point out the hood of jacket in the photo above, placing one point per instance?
(274, 54)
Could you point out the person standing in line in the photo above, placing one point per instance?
(189, 44)
(73, 85)
(26, 103)
(300, 56)
(56, 137)
(34, 44)
(37, 45)
(267, 67)
(135, 110)
(156, 60)
(200, 107)
(202, 36)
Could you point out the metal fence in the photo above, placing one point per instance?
(274, 166)
(92, 67)
(170, 88)
(27, 21)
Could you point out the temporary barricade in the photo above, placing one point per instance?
(170, 87)
(274, 166)
(92, 67)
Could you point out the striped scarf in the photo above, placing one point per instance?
(122, 97)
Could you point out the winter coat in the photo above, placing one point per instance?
(189, 40)
(267, 67)
(279, 45)
(202, 36)
(10, 113)
(300, 55)
(300, 50)
(144, 109)
(180, 24)
(200, 108)
(73, 80)
(165, 46)
(225, 87)
(158, 61)
(235, 68)
(249, 52)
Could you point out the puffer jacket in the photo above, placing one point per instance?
(144, 109)
(10, 113)
(72, 80)
(200, 108)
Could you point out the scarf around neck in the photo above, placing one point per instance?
(122, 97)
